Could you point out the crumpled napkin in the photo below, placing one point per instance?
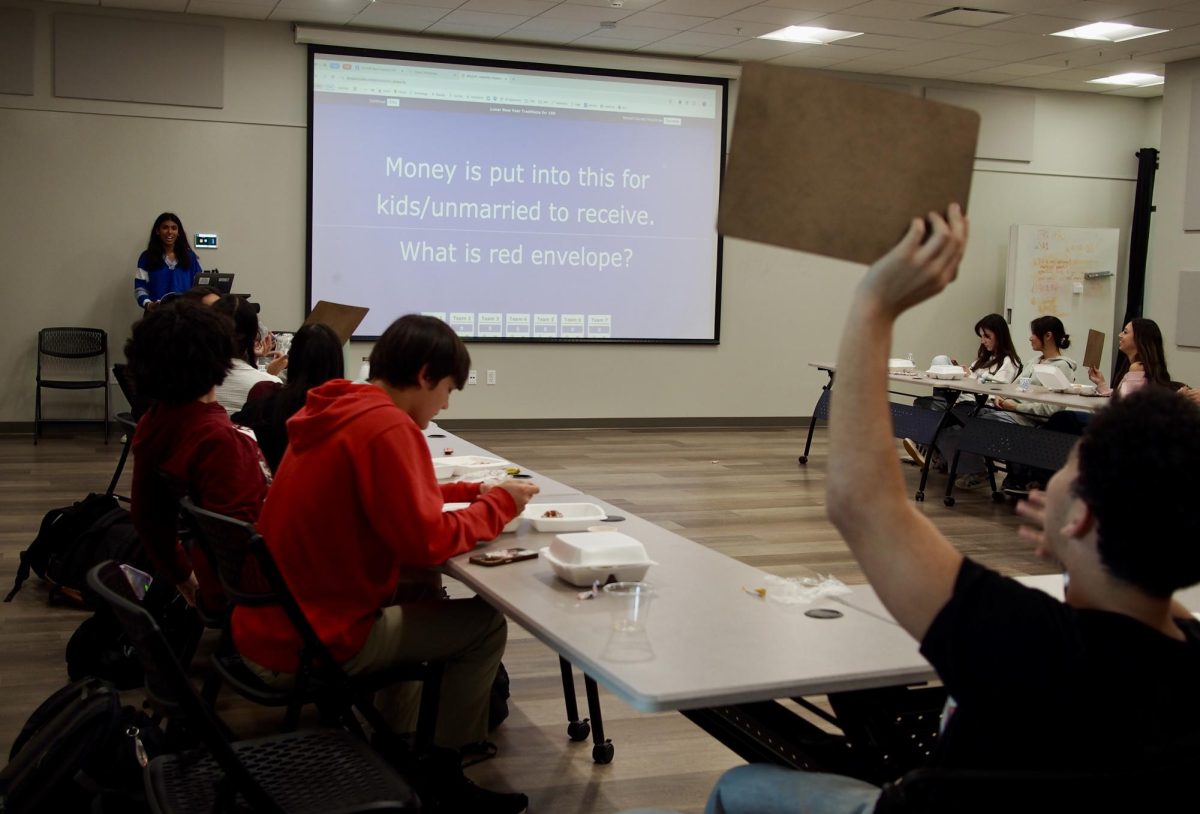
(803, 590)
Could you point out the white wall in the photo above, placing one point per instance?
(84, 180)
(1173, 249)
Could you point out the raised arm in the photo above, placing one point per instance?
(907, 561)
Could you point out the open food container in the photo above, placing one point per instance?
(581, 558)
(904, 367)
(511, 525)
(563, 516)
(462, 466)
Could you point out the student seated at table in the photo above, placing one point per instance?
(243, 371)
(1142, 360)
(354, 504)
(177, 356)
(315, 358)
(996, 362)
(1048, 337)
(1031, 676)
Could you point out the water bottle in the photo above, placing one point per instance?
(364, 372)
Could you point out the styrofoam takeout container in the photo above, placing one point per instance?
(459, 466)
(582, 558)
(901, 366)
(575, 516)
(945, 372)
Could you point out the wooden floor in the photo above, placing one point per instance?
(740, 492)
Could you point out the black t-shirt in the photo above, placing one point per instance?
(1043, 686)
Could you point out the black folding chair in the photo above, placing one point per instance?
(67, 360)
(250, 577)
(322, 771)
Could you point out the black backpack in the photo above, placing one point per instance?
(79, 745)
(73, 539)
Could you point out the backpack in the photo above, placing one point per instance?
(73, 539)
(79, 744)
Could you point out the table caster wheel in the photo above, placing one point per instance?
(603, 752)
(579, 730)
(920, 497)
(803, 459)
(949, 501)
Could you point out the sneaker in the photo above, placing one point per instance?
(914, 452)
(464, 797)
(1012, 486)
(971, 481)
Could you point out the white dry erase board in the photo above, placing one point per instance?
(1068, 272)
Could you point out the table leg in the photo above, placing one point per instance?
(577, 730)
(812, 422)
(602, 747)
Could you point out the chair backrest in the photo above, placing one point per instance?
(250, 576)
(167, 685)
(72, 343)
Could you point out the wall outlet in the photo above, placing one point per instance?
(491, 377)
(472, 378)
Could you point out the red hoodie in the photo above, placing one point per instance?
(355, 501)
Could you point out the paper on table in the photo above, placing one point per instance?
(344, 319)
(839, 168)
(1094, 349)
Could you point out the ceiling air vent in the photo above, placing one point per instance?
(959, 15)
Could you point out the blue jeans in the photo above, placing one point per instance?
(764, 789)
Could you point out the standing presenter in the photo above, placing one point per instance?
(168, 266)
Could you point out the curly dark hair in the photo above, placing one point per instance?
(414, 342)
(1137, 473)
(179, 351)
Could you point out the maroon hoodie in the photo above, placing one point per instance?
(199, 450)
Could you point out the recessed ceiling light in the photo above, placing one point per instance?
(811, 35)
(1138, 80)
(1110, 32)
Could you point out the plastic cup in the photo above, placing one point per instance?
(1024, 383)
(629, 604)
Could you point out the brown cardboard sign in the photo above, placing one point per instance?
(1094, 349)
(344, 319)
(838, 168)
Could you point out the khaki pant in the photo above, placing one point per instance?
(468, 635)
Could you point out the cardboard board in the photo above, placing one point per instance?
(838, 168)
(1094, 349)
(344, 319)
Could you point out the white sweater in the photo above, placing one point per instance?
(231, 393)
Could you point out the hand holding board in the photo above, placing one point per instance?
(838, 168)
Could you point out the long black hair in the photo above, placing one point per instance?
(314, 358)
(992, 360)
(156, 250)
(1148, 344)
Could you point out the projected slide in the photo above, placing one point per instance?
(516, 203)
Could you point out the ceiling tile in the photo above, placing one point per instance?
(245, 9)
(702, 8)
(527, 8)
(596, 14)
(740, 28)
(778, 17)
(404, 17)
(754, 51)
(671, 22)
